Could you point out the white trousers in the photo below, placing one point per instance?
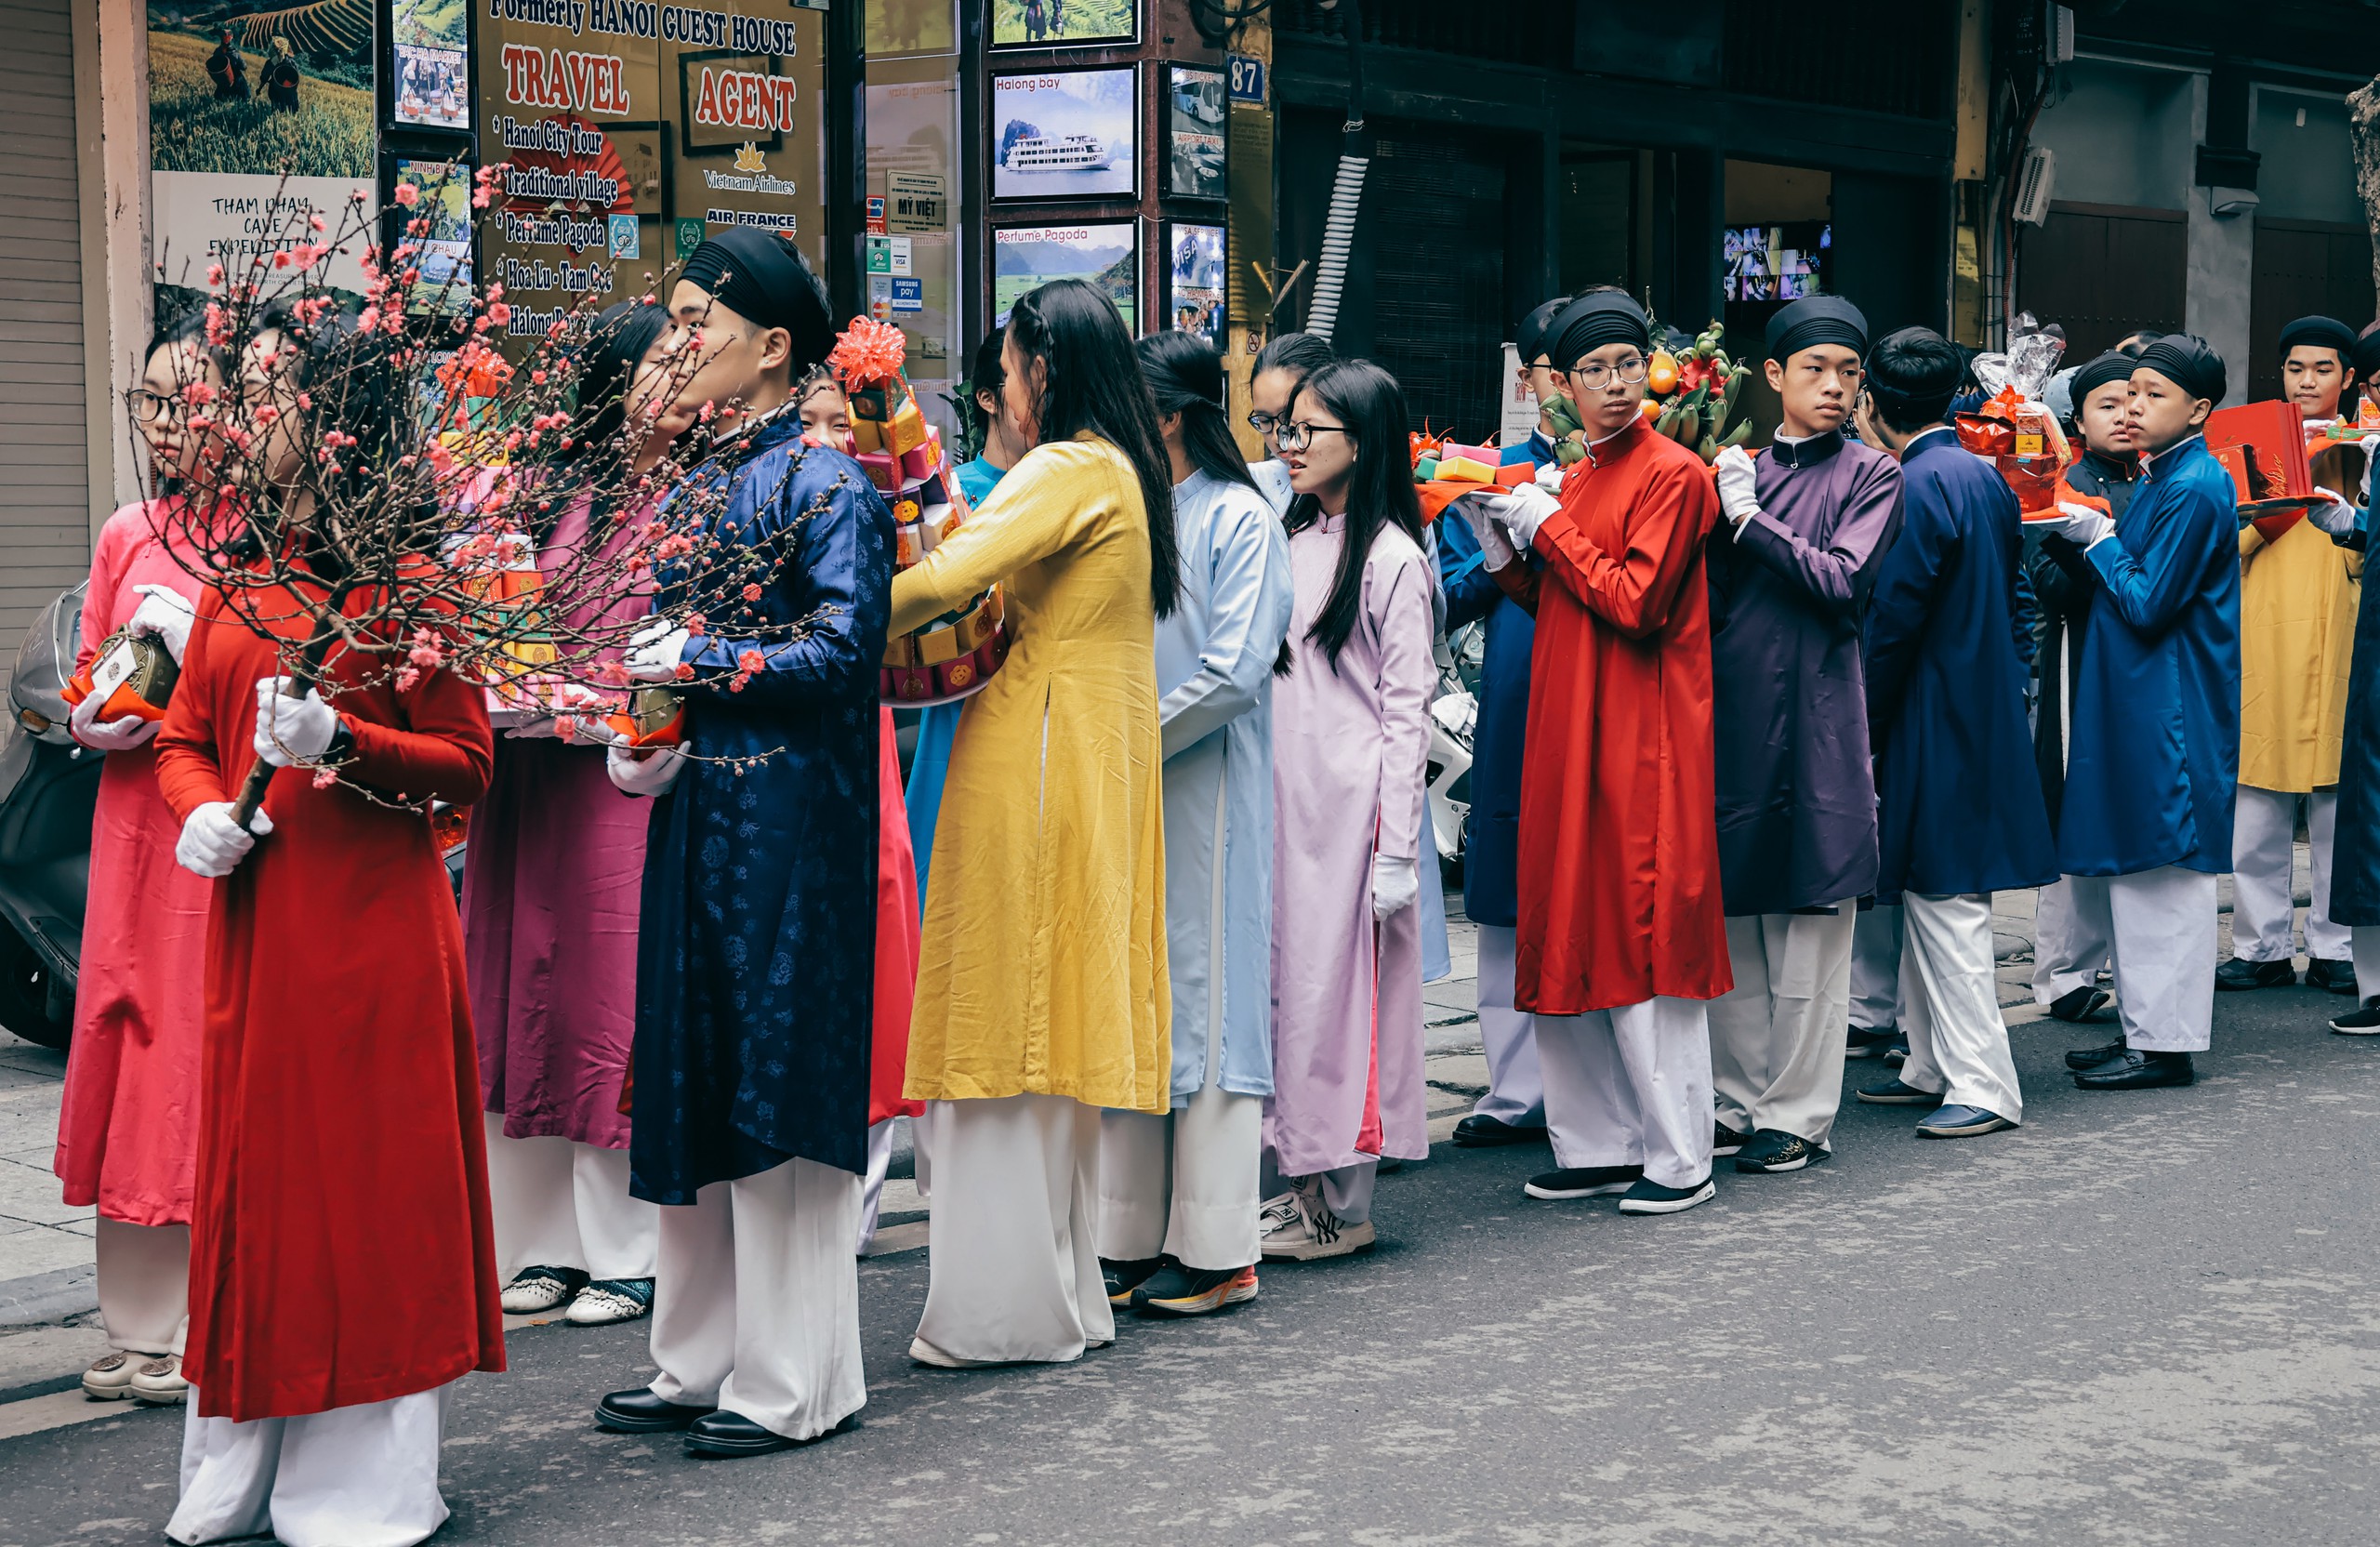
(2264, 875)
(144, 1285)
(1950, 1005)
(1515, 1085)
(360, 1477)
(757, 1310)
(561, 1204)
(2161, 926)
(1182, 1184)
(1875, 969)
(1015, 1253)
(1777, 1037)
(871, 1186)
(2069, 945)
(1631, 1087)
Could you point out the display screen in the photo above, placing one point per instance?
(1776, 263)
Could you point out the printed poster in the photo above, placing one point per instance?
(912, 160)
(570, 102)
(1063, 23)
(742, 92)
(1194, 118)
(430, 40)
(1065, 134)
(445, 252)
(1194, 281)
(230, 101)
(1104, 252)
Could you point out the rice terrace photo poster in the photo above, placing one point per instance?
(445, 188)
(233, 100)
(1064, 24)
(1104, 252)
(1065, 134)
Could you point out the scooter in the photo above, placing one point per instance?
(49, 788)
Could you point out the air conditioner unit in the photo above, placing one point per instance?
(2034, 180)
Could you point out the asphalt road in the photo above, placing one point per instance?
(2146, 1318)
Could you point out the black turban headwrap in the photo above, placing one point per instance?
(2367, 355)
(1591, 322)
(2186, 360)
(1534, 330)
(764, 278)
(2322, 333)
(2092, 375)
(1813, 321)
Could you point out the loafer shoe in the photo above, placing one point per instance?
(2136, 1070)
(109, 1379)
(159, 1382)
(535, 1291)
(1892, 1092)
(1774, 1150)
(1727, 1141)
(1585, 1181)
(609, 1301)
(2236, 974)
(2363, 1021)
(1650, 1197)
(1868, 1041)
(1482, 1131)
(727, 1435)
(1960, 1122)
(2091, 1058)
(2076, 1004)
(2335, 975)
(1896, 1053)
(639, 1411)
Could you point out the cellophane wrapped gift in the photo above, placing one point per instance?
(954, 654)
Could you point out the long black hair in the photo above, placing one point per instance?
(1300, 353)
(616, 345)
(1095, 385)
(1379, 491)
(1186, 376)
(189, 328)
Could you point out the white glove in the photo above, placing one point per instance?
(212, 842)
(1737, 474)
(1549, 477)
(637, 771)
(291, 730)
(654, 649)
(2334, 514)
(1395, 882)
(165, 614)
(539, 729)
(1495, 549)
(116, 736)
(1522, 512)
(2079, 524)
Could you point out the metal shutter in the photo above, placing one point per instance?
(44, 487)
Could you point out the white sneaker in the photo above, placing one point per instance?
(538, 1289)
(611, 1300)
(1311, 1232)
(159, 1382)
(111, 1378)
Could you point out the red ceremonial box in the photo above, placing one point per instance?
(2262, 447)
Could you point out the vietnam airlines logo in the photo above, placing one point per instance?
(749, 159)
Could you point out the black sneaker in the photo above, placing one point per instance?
(2363, 1021)
(2138, 1070)
(1727, 1141)
(1651, 1198)
(1175, 1291)
(1482, 1131)
(1772, 1150)
(1896, 1053)
(2236, 974)
(2078, 1004)
(1892, 1092)
(2325, 973)
(1124, 1277)
(2091, 1058)
(1585, 1181)
(1868, 1041)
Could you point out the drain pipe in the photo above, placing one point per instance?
(1347, 187)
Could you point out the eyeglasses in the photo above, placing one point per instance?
(1262, 422)
(1595, 378)
(148, 407)
(1297, 437)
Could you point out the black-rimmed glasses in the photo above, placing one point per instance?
(1297, 437)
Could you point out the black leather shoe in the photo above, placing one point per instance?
(640, 1412)
(1481, 1132)
(2237, 975)
(2091, 1058)
(1867, 1041)
(2136, 1070)
(727, 1433)
(2325, 973)
(2077, 1005)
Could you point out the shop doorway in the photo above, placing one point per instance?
(2102, 272)
(2303, 268)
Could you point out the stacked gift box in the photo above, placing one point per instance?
(903, 456)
